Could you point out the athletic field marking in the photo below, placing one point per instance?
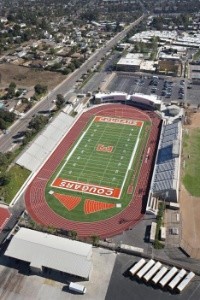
(132, 158)
(69, 202)
(102, 148)
(92, 206)
(129, 122)
(86, 188)
(100, 181)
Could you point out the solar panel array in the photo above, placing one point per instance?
(43, 145)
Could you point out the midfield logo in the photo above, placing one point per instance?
(103, 148)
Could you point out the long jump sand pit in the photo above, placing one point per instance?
(190, 204)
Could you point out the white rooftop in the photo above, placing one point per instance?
(129, 61)
(44, 144)
(45, 250)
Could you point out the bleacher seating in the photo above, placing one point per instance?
(43, 145)
(166, 170)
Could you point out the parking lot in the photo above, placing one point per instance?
(193, 94)
(167, 88)
(122, 286)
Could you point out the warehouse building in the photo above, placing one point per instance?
(43, 251)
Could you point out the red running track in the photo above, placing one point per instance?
(35, 200)
(4, 217)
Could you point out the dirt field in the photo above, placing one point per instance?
(190, 211)
(27, 77)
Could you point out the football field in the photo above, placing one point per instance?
(102, 157)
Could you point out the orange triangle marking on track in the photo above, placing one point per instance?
(70, 202)
(92, 206)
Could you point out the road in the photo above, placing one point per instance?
(65, 88)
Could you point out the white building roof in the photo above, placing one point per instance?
(44, 144)
(134, 55)
(148, 65)
(129, 61)
(42, 249)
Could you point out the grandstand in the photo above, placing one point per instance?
(121, 214)
(43, 145)
(165, 179)
(137, 99)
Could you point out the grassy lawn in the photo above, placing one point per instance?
(196, 55)
(18, 177)
(90, 160)
(191, 150)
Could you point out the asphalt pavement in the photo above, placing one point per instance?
(142, 83)
(122, 286)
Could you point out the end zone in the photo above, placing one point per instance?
(129, 122)
(86, 188)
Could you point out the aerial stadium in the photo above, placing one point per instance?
(97, 179)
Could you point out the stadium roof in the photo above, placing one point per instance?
(43, 145)
(45, 250)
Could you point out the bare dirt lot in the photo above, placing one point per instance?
(190, 210)
(27, 77)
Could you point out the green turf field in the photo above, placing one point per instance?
(117, 166)
(87, 164)
(191, 148)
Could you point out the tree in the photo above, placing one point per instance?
(72, 66)
(73, 234)
(38, 122)
(27, 136)
(2, 124)
(11, 90)
(76, 63)
(3, 159)
(89, 16)
(4, 179)
(66, 71)
(7, 116)
(95, 239)
(40, 89)
(60, 101)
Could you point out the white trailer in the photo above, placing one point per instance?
(153, 232)
(146, 268)
(163, 233)
(168, 276)
(159, 275)
(152, 271)
(177, 279)
(137, 266)
(78, 288)
(185, 282)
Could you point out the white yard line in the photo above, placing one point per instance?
(92, 153)
(72, 151)
(131, 160)
(118, 176)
